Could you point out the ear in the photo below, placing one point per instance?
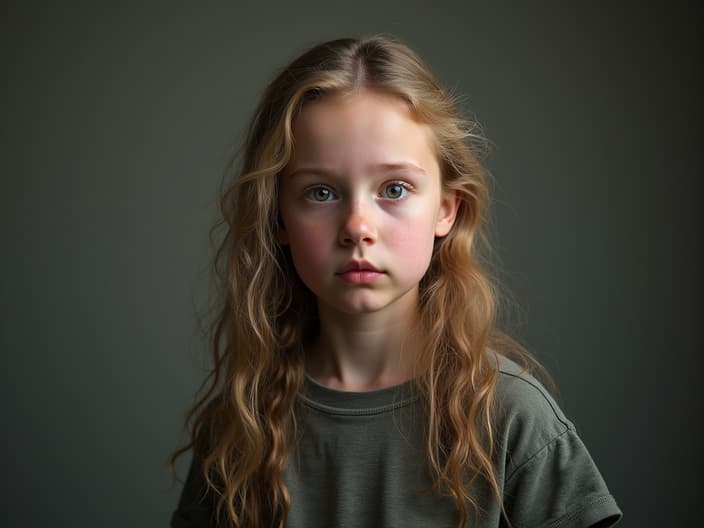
(449, 205)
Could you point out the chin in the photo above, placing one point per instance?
(357, 306)
(359, 309)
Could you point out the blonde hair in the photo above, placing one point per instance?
(243, 426)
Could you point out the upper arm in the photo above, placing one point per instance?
(550, 479)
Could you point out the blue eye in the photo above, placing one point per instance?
(319, 194)
(395, 191)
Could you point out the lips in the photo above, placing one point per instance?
(359, 265)
(360, 273)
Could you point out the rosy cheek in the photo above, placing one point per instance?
(309, 246)
(315, 236)
(411, 240)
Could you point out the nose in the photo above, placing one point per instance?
(358, 226)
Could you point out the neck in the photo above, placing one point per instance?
(369, 351)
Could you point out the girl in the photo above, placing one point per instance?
(358, 377)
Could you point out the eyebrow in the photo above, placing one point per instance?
(377, 167)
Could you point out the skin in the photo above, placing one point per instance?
(338, 203)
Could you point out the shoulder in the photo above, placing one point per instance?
(520, 395)
(527, 416)
(549, 477)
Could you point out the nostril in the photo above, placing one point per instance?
(359, 238)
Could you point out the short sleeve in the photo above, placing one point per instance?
(549, 478)
(195, 506)
(560, 486)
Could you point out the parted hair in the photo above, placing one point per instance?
(244, 422)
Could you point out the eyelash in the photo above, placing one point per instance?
(404, 185)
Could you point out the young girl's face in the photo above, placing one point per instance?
(361, 202)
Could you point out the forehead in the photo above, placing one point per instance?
(360, 129)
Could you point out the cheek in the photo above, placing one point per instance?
(308, 244)
(412, 242)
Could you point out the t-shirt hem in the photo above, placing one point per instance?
(600, 509)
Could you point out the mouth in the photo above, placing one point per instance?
(359, 266)
(360, 272)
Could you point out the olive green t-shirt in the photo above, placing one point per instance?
(361, 462)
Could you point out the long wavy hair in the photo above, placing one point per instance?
(243, 425)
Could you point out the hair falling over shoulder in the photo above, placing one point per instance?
(243, 425)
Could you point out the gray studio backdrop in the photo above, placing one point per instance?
(117, 123)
